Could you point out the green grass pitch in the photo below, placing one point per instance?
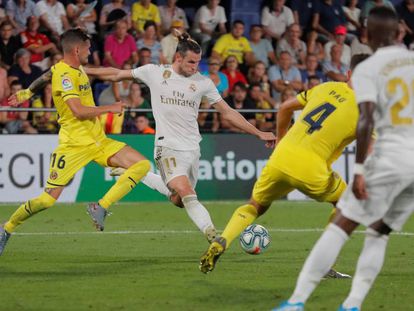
(147, 259)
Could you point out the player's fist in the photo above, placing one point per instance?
(269, 137)
(359, 187)
(18, 98)
(118, 107)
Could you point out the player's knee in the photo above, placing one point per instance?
(176, 200)
(44, 200)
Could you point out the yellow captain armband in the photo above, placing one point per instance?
(24, 95)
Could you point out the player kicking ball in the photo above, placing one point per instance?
(81, 139)
(302, 158)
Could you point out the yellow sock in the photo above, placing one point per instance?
(128, 180)
(29, 209)
(242, 217)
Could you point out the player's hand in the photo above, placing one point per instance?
(118, 107)
(20, 97)
(359, 187)
(269, 137)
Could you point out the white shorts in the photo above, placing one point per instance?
(390, 187)
(173, 163)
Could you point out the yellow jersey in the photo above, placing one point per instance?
(140, 15)
(228, 45)
(326, 125)
(69, 82)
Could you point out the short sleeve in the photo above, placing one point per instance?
(220, 45)
(303, 97)
(61, 8)
(363, 82)
(211, 94)
(246, 44)
(41, 8)
(157, 18)
(143, 73)
(265, 16)
(222, 17)
(66, 85)
(274, 74)
(289, 16)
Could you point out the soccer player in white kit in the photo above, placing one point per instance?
(176, 93)
(382, 193)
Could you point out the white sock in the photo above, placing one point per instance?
(369, 265)
(155, 182)
(197, 212)
(319, 261)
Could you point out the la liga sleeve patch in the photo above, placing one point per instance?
(67, 84)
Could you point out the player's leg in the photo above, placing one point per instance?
(27, 210)
(117, 154)
(271, 185)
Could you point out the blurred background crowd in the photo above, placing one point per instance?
(258, 53)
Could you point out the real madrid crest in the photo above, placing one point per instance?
(193, 87)
(166, 74)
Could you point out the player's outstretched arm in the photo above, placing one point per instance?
(284, 116)
(25, 94)
(237, 120)
(109, 73)
(82, 112)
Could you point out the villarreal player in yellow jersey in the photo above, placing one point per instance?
(81, 139)
(302, 158)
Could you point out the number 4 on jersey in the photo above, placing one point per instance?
(316, 117)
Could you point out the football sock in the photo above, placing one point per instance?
(28, 209)
(155, 182)
(242, 217)
(126, 182)
(197, 212)
(369, 265)
(319, 261)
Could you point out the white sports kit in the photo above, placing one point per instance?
(175, 101)
(387, 79)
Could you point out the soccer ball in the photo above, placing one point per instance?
(255, 239)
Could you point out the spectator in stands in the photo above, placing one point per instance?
(170, 13)
(240, 101)
(359, 45)
(352, 15)
(16, 122)
(37, 44)
(53, 18)
(208, 122)
(45, 122)
(304, 12)
(276, 17)
(135, 100)
(75, 10)
(234, 43)
(402, 32)
(232, 72)
(264, 121)
(284, 75)
(9, 44)
(313, 81)
(117, 91)
(120, 46)
(219, 78)
(258, 75)
(149, 40)
(169, 43)
(112, 12)
(209, 24)
(55, 58)
(3, 15)
(262, 48)
(339, 39)
(311, 70)
(144, 56)
(370, 4)
(334, 69)
(143, 11)
(18, 11)
(292, 43)
(4, 85)
(330, 14)
(406, 12)
(142, 125)
(315, 46)
(22, 70)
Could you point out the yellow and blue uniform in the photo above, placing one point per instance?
(302, 159)
(80, 141)
(228, 45)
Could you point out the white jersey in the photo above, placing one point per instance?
(387, 79)
(175, 101)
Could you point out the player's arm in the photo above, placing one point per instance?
(238, 121)
(109, 73)
(25, 94)
(82, 112)
(284, 116)
(364, 139)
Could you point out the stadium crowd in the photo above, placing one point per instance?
(297, 45)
